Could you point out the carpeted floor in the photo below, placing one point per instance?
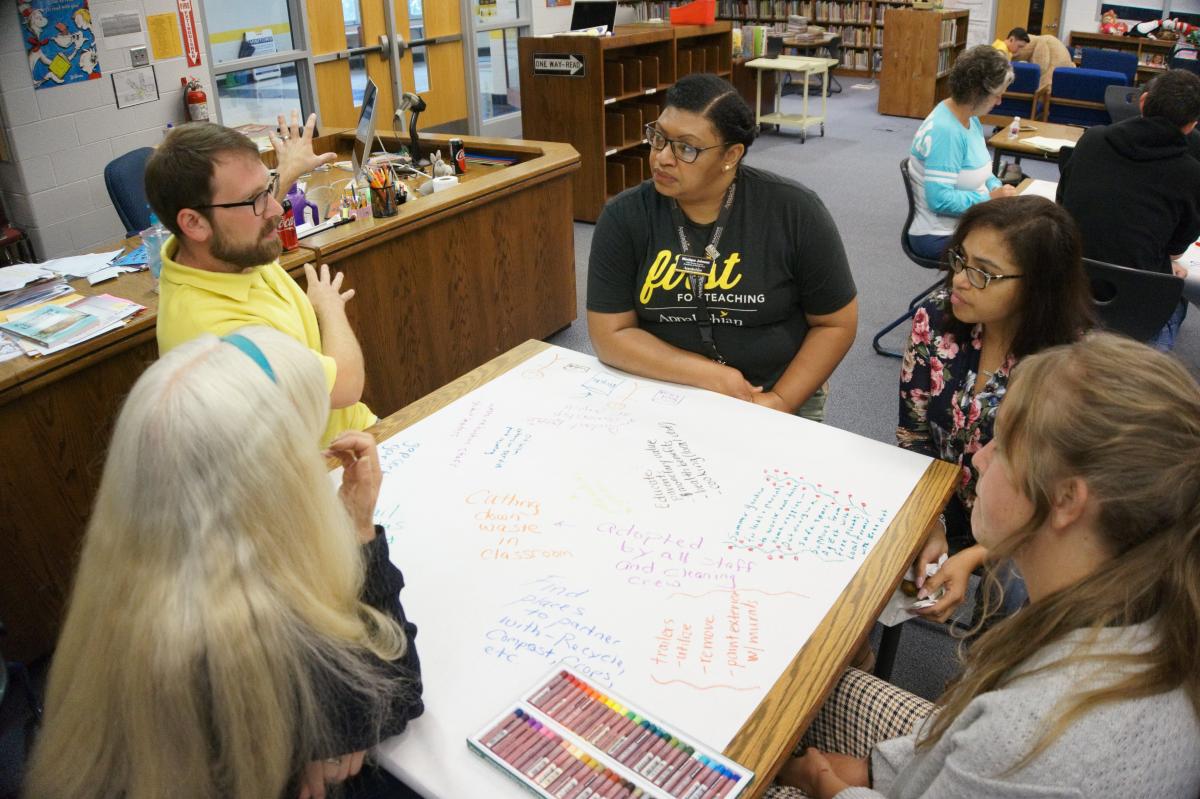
(855, 168)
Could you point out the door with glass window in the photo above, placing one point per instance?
(495, 27)
(403, 46)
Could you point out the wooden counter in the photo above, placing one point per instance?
(450, 282)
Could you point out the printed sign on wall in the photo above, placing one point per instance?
(59, 41)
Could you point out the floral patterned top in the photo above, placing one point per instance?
(939, 415)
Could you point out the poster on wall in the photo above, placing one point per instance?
(59, 41)
(557, 3)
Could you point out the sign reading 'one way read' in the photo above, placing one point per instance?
(562, 64)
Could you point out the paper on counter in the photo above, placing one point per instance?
(81, 265)
(1042, 188)
(1047, 143)
(20, 275)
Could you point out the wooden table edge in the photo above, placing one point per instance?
(765, 742)
(767, 738)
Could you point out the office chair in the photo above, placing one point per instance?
(1133, 302)
(1122, 101)
(14, 244)
(924, 263)
(124, 179)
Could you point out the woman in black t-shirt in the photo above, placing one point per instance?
(777, 311)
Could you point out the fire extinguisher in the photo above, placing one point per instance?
(195, 100)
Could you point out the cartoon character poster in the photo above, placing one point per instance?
(59, 41)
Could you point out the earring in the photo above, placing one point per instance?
(727, 167)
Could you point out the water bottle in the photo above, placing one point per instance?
(153, 238)
(1014, 130)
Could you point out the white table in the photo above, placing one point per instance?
(804, 66)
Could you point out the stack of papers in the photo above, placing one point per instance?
(21, 275)
(52, 327)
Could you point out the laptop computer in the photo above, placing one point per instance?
(586, 14)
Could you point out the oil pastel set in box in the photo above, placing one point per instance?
(569, 739)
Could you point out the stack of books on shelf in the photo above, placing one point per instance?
(945, 61)
(949, 29)
(645, 10)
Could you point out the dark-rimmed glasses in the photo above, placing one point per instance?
(259, 201)
(975, 276)
(687, 153)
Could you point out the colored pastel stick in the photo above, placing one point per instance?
(649, 754)
(723, 780)
(613, 723)
(635, 749)
(734, 779)
(515, 739)
(567, 689)
(555, 769)
(518, 749)
(603, 724)
(549, 688)
(564, 699)
(701, 782)
(684, 775)
(628, 729)
(587, 787)
(567, 712)
(567, 781)
(501, 730)
(538, 755)
(681, 756)
(587, 719)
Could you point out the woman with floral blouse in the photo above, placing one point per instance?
(1016, 285)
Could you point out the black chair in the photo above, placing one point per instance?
(124, 179)
(924, 263)
(1133, 302)
(1122, 102)
(834, 51)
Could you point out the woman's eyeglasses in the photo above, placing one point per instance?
(687, 153)
(975, 276)
(259, 201)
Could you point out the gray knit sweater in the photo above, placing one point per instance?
(1137, 748)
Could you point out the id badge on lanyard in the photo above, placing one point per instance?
(697, 269)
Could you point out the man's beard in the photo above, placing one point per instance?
(247, 256)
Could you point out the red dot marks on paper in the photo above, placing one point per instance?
(730, 546)
(864, 504)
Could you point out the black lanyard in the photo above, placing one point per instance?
(697, 269)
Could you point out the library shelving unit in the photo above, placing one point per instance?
(920, 51)
(597, 93)
(1145, 50)
(860, 23)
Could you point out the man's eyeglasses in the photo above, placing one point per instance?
(259, 201)
(687, 153)
(975, 276)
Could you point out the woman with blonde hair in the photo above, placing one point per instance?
(1092, 486)
(234, 629)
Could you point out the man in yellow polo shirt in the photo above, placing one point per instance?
(220, 267)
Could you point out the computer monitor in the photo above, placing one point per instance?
(365, 133)
(592, 14)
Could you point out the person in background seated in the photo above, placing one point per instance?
(1016, 286)
(716, 274)
(948, 163)
(1092, 486)
(220, 267)
(1045, 51)
(235, 628)
(1134, 187)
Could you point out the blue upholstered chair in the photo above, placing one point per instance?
(1022, 98)
(1077, 95)
(1110, 61)
(124, 179)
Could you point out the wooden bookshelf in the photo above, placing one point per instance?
(1145, 50)
(860, 23)
(919, 52)
(617, 88)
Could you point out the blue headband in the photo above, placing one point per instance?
(252, 351)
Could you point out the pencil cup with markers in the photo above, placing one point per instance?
(569, 739)
(383, 200)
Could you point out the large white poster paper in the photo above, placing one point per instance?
(673, 544)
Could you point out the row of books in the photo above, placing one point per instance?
(856, 59)
(945, 61)
(852, 36)
(949, 31)
(816, 11)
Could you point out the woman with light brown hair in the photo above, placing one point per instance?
(235, 629)
(1092, 487)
